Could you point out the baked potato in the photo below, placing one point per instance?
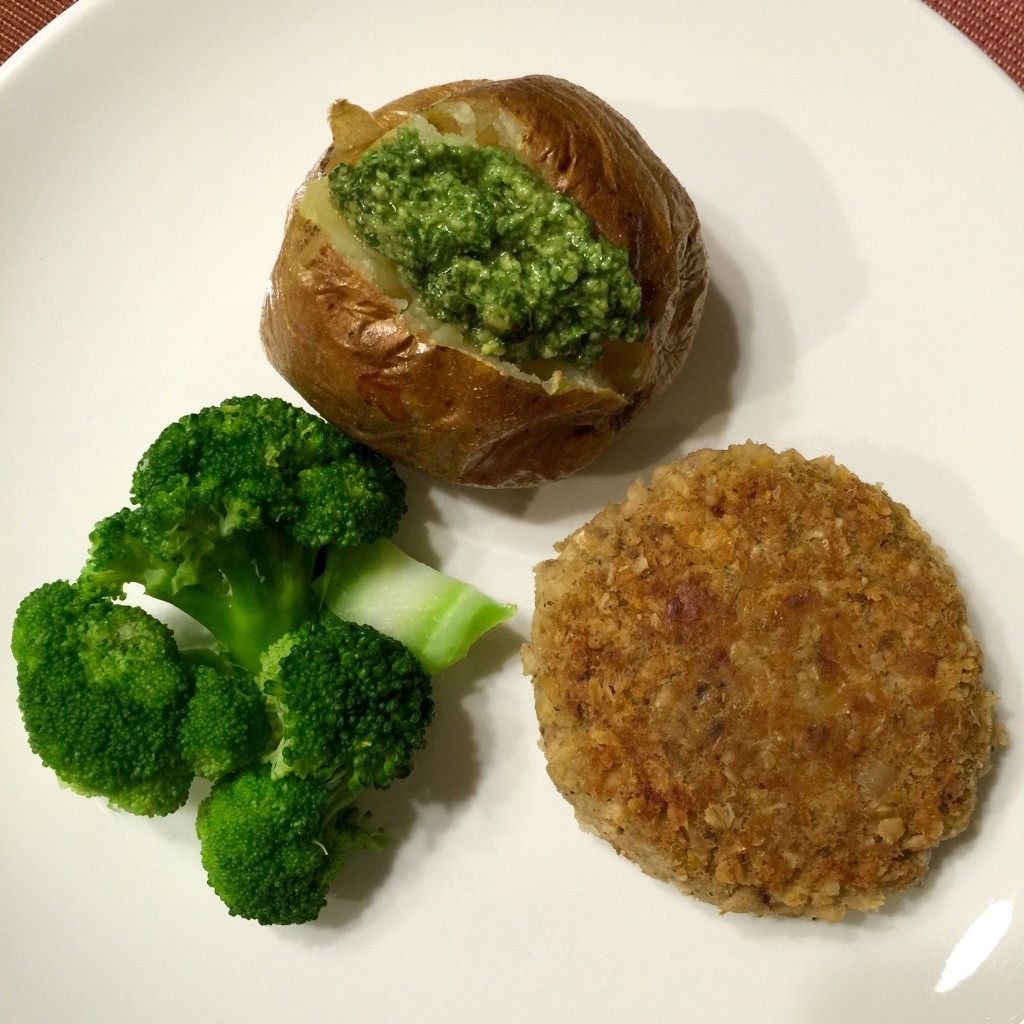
(345, 328)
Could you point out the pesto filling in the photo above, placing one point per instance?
(491, 248)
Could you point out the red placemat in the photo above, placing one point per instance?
(996, 26)
(20, 20)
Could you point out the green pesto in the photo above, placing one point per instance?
(492, 248)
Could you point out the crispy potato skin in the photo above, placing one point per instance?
(341, 344)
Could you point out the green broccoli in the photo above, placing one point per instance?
(226, 726)
(102, 691)
(438, 618)
(271, 847)
(233, 506)
(268, 527)
(116, 710)
(350, 708)
(347, 704)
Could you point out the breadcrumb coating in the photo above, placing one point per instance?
(755, 678)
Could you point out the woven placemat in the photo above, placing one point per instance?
(996, 26)
(20, 20)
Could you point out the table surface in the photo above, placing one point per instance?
(996, 26)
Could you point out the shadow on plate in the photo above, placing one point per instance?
(445, 775)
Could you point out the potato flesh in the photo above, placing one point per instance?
(382, 273)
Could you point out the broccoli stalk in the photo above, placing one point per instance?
(247, 590)
(438, 618)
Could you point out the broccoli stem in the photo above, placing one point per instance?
(438, 618)
(268, 581)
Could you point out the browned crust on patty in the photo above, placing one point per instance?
(755, 678)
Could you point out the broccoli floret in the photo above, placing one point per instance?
(348, 703)
(102, 691)
(226, 726)
(233, 506)
(268, 527)
(350, 707)
(271, 847)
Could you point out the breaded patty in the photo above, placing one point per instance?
(755, 679)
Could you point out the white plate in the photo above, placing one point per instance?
(858, 168)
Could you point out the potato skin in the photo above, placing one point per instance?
(446, 412)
